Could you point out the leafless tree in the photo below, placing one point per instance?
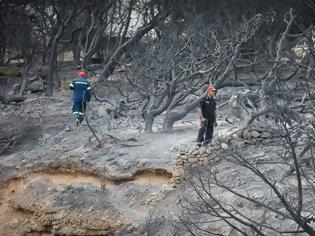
(291, 64)
(148, 14)
(59, 17)
(280, 198)
(170, 73)
(271, 194)
(17, 25)
(95, 21)
(273, 204)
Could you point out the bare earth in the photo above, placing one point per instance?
(61, 182)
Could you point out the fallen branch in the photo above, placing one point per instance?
(93, 131)
(12, 98)
(102, 100)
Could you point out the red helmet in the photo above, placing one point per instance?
(211, 88)
(82, 74)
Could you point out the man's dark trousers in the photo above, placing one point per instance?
(78, 109)
(205, 132)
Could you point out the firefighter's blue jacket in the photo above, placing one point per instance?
(81, 88)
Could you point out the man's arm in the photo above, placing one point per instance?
(215, 119)
(215, 114)
(89, 88)
(88, 92)
(71, 86)
(200, 115)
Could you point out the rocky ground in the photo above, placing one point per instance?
(59, 181)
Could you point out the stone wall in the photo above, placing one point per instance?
(257, 134)
(195, 158)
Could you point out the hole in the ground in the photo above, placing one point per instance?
(155, 176)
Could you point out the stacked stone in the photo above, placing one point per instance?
(254, 134)
(192, 158)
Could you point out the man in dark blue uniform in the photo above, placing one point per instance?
(81, 94)
(207, 115)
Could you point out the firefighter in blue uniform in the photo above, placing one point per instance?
(81, 95)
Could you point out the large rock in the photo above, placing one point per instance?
(36, 85)
(193, 160)
(246, 134)
(255, 134)
(266, 135)
(259, 128)
(202, 150)
(224, 146)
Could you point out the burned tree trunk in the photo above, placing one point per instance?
(113, 60)
(149, 121)
(51, 67)
(123, 47)
(174, 116)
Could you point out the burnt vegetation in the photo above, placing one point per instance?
(162, 55)
(164, 52)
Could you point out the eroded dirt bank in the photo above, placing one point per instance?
(63, 183)
(80, 204)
